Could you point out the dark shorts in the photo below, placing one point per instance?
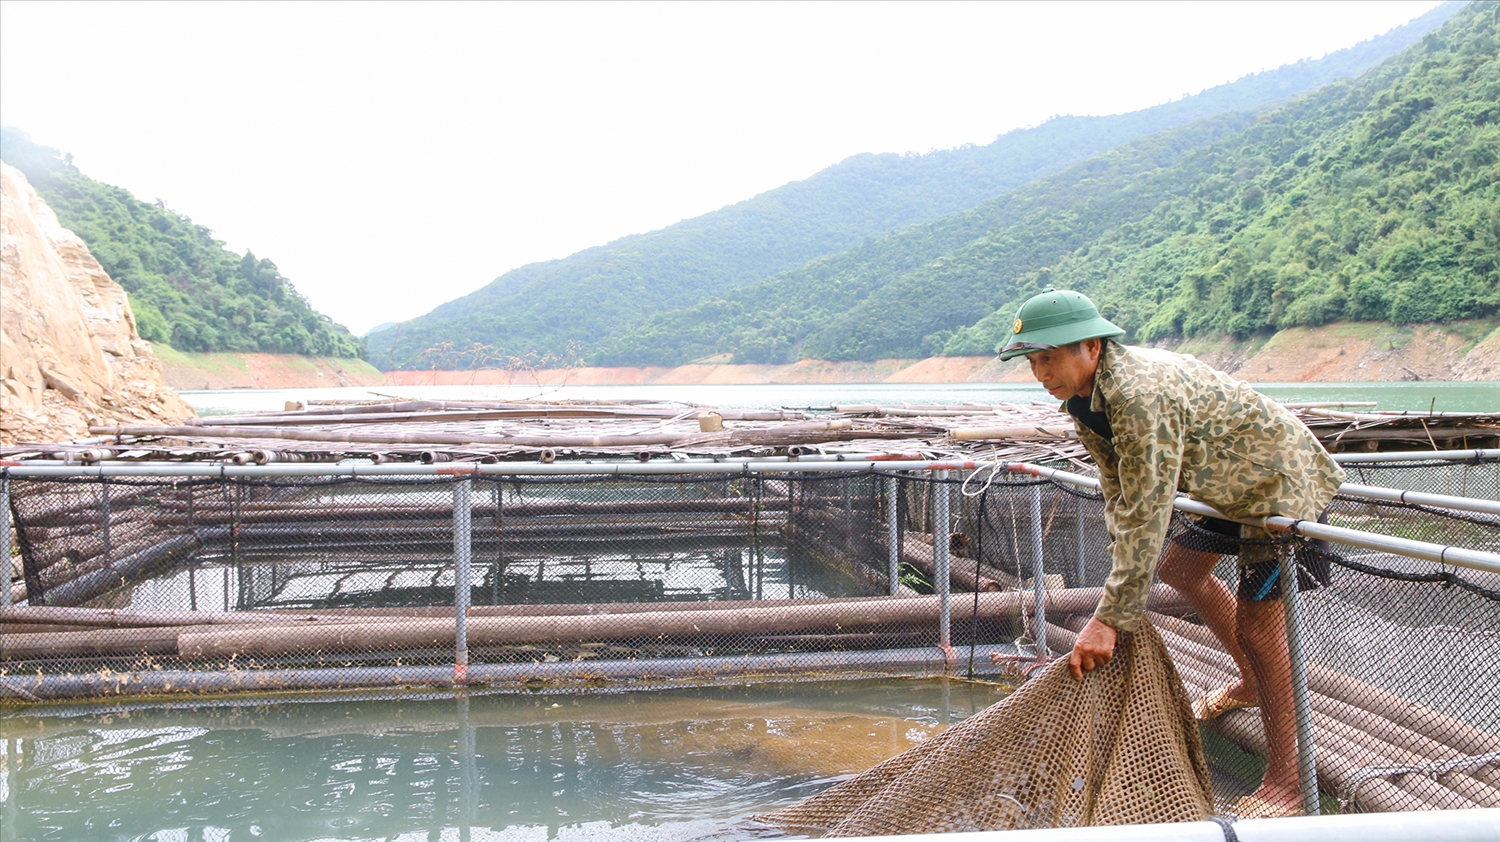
(1260, 577)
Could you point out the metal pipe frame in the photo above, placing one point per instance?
(463, 537)
(942, 562)
(1442, 554)
(1417, 455)
(893, 534)
(1038, 572)
(1421, 498)
(1307, 765)
(6, 566)
(582, 468)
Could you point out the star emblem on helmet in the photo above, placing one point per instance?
(1016, 328)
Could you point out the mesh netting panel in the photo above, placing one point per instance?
(1120, 747)
(156, 585)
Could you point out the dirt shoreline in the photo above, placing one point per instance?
(1347, 352)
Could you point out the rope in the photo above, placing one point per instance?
(1443, 577)
(1433, 770)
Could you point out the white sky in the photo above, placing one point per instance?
(392, 156)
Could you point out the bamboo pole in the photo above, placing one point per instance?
(919, 554)
(1011, 432)
(538, 410)
(90, 585)
(160, 640)
(491, 631)
(124, 532)
(452, 414)
(1397, 721)
(1335, 766)
(788, 434)
(1438, 727)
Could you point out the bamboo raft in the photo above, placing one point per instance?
(487, 431)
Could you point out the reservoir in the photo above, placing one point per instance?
(1443, 397)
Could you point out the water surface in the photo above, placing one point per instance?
(691, 763)
(1450, 397)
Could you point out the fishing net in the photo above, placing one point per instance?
(1120, 747)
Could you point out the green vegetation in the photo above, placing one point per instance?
(185, 288)
(895, 297)
(1375, 199)
(632, 287)
(1381, 203)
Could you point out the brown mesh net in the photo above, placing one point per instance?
(1121, 747)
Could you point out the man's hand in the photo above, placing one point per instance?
(1094, 648)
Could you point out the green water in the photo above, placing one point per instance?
(675, 764)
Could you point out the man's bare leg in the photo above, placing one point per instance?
(1191, 573)
(1261, 628)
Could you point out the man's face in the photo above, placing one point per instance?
(1067, 371)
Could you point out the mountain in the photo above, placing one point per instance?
(533, 310)
(1369, 199)
(186, 289)
(72, 354)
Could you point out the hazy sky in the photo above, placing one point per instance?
(391, 156)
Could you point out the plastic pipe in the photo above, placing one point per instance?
(1429, 826)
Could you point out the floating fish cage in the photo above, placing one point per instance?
(157, 579)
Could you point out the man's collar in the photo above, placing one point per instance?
(1096, 397)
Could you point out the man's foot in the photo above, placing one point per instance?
(1268, 804)
(1216, 703)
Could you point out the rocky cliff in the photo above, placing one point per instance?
(69, 351)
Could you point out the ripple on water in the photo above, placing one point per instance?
(680, 765)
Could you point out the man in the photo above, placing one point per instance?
(1157, 423)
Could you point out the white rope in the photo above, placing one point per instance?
(1433, 770)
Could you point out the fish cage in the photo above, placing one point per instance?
(158, 579)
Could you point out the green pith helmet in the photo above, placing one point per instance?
(1053, 318)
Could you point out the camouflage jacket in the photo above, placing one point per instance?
(1180, 425)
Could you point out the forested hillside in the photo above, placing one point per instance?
(185, 288)
(1370, 199)
(535, 309)
(1382, 204)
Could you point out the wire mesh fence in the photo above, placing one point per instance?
(142, 585)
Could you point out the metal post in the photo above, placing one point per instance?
(1082, 571)
(753, 560)
(497, 573)
(892, 534)
(1307, 769)
(6, 567)
(1038, 571)
(109, 556)
(941, 561)
(468, 768)
(463, 537)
